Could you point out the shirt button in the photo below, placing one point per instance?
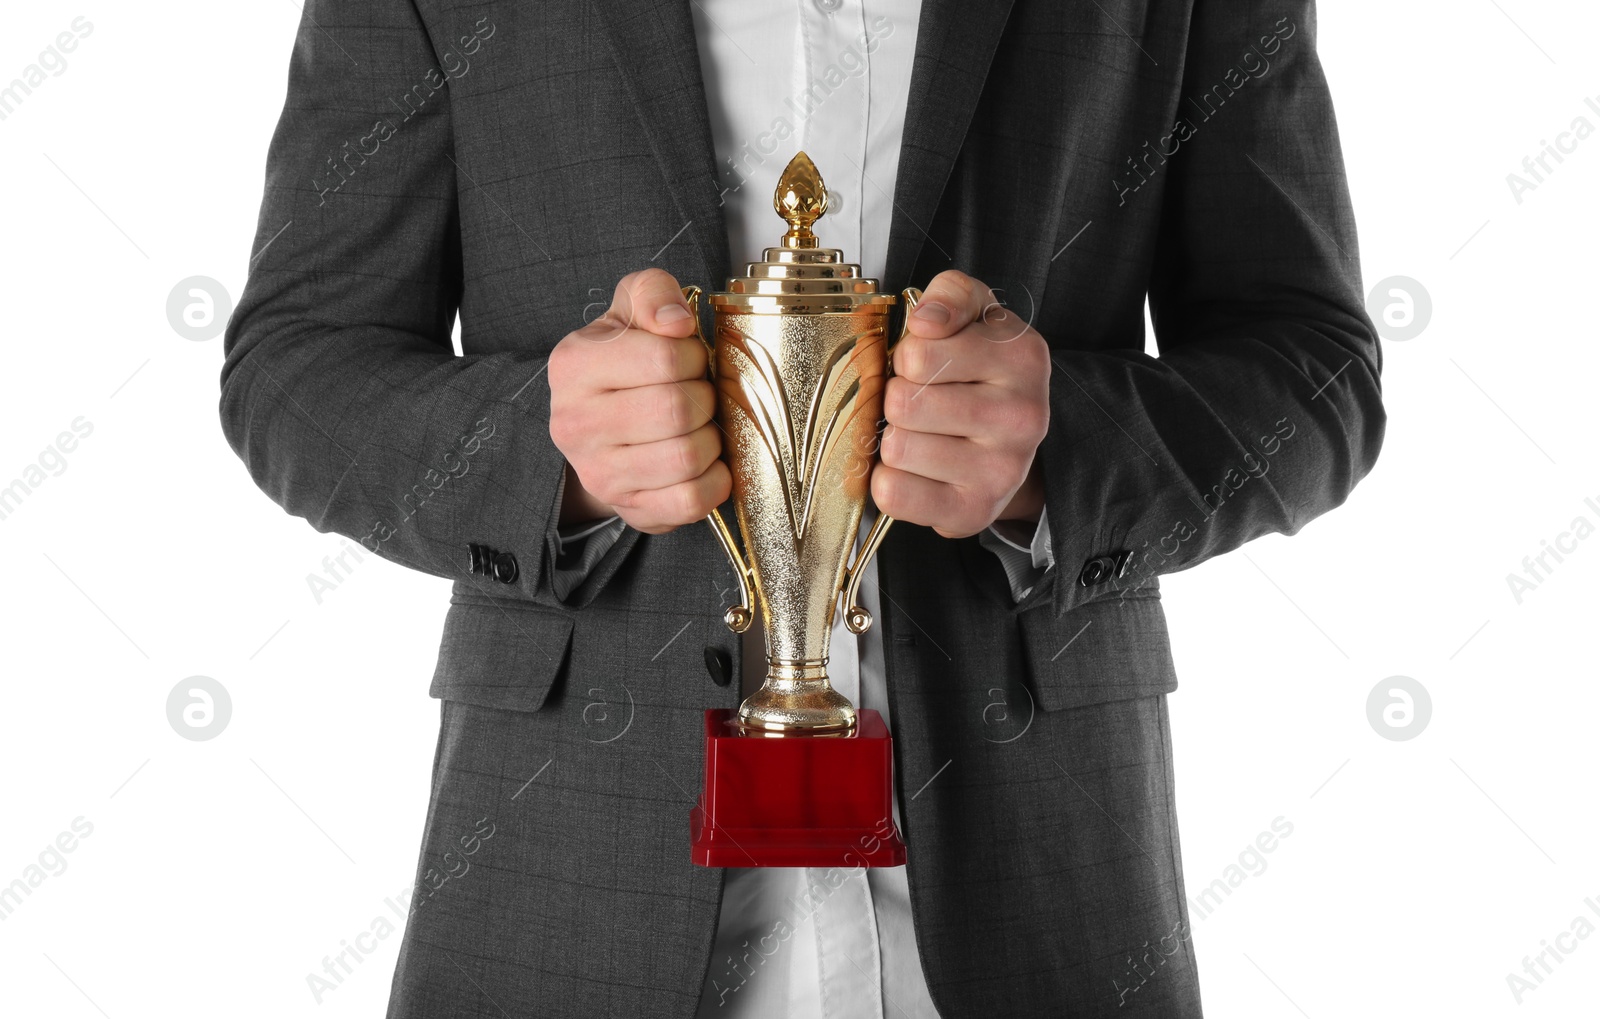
(829, 6)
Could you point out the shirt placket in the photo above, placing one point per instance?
(834, 89)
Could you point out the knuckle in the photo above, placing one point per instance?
(710, 446)
(662, 353)
(642, 517)
(651, 287)
(569, 428)
(910, 359)
(561, 432)
(686, 502)
(559, 367)
(1017, 419)
(878, 486)
(1038, 421)
(683, 453)
(1000, 479)
(601, 479)
(1035, 356)
(704, 397)
(888, 493)
(654, 277)
(954, 284)
(674, 409)
(892, 447)
(634, 281)
(968, 515)
(622, 296)
(894, 399)
(721, 480)
(695, 356)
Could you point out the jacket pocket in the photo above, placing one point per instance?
(1108, 650)
(497, 654)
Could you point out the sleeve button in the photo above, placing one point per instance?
(505, 568)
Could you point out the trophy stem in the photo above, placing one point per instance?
(797, 699)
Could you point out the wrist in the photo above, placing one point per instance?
(577, 505)
(1027, 503)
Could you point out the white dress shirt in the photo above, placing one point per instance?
(829, 77)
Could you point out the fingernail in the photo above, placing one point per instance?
(932, 312)
(671, 314)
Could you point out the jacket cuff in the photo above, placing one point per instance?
(1025, 566)
(577, 548)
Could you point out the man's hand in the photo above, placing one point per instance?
(631, 410)
(967, 407)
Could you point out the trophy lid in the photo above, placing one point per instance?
(798, 277)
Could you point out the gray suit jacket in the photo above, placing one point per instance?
(507, 162)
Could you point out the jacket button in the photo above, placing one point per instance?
(719, 665)
(478, 559)
(505, 567)
(1103, 568)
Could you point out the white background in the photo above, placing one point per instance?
(220, 873)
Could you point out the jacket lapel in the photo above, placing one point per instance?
(653, 44)
(956, 41)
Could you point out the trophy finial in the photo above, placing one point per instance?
(801, 199)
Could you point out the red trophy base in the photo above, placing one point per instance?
(796, 801)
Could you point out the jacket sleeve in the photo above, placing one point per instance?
(340, 389)
(1263, 409)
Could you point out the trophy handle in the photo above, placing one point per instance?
(740, 616)
(912, 296)
(691, 295)
(857, 619)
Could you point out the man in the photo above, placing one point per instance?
(1043, 169)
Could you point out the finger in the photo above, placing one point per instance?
(965, 357)
(663, 509)
(949, 303)
(654, 465)
(918, 500)
(630, 358)
(653, 301)
(645, 414)
(945, 458)
(975, 410)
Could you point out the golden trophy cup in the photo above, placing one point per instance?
(799, 361)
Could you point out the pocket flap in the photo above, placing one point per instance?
(500, 655)
(1108, 650)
